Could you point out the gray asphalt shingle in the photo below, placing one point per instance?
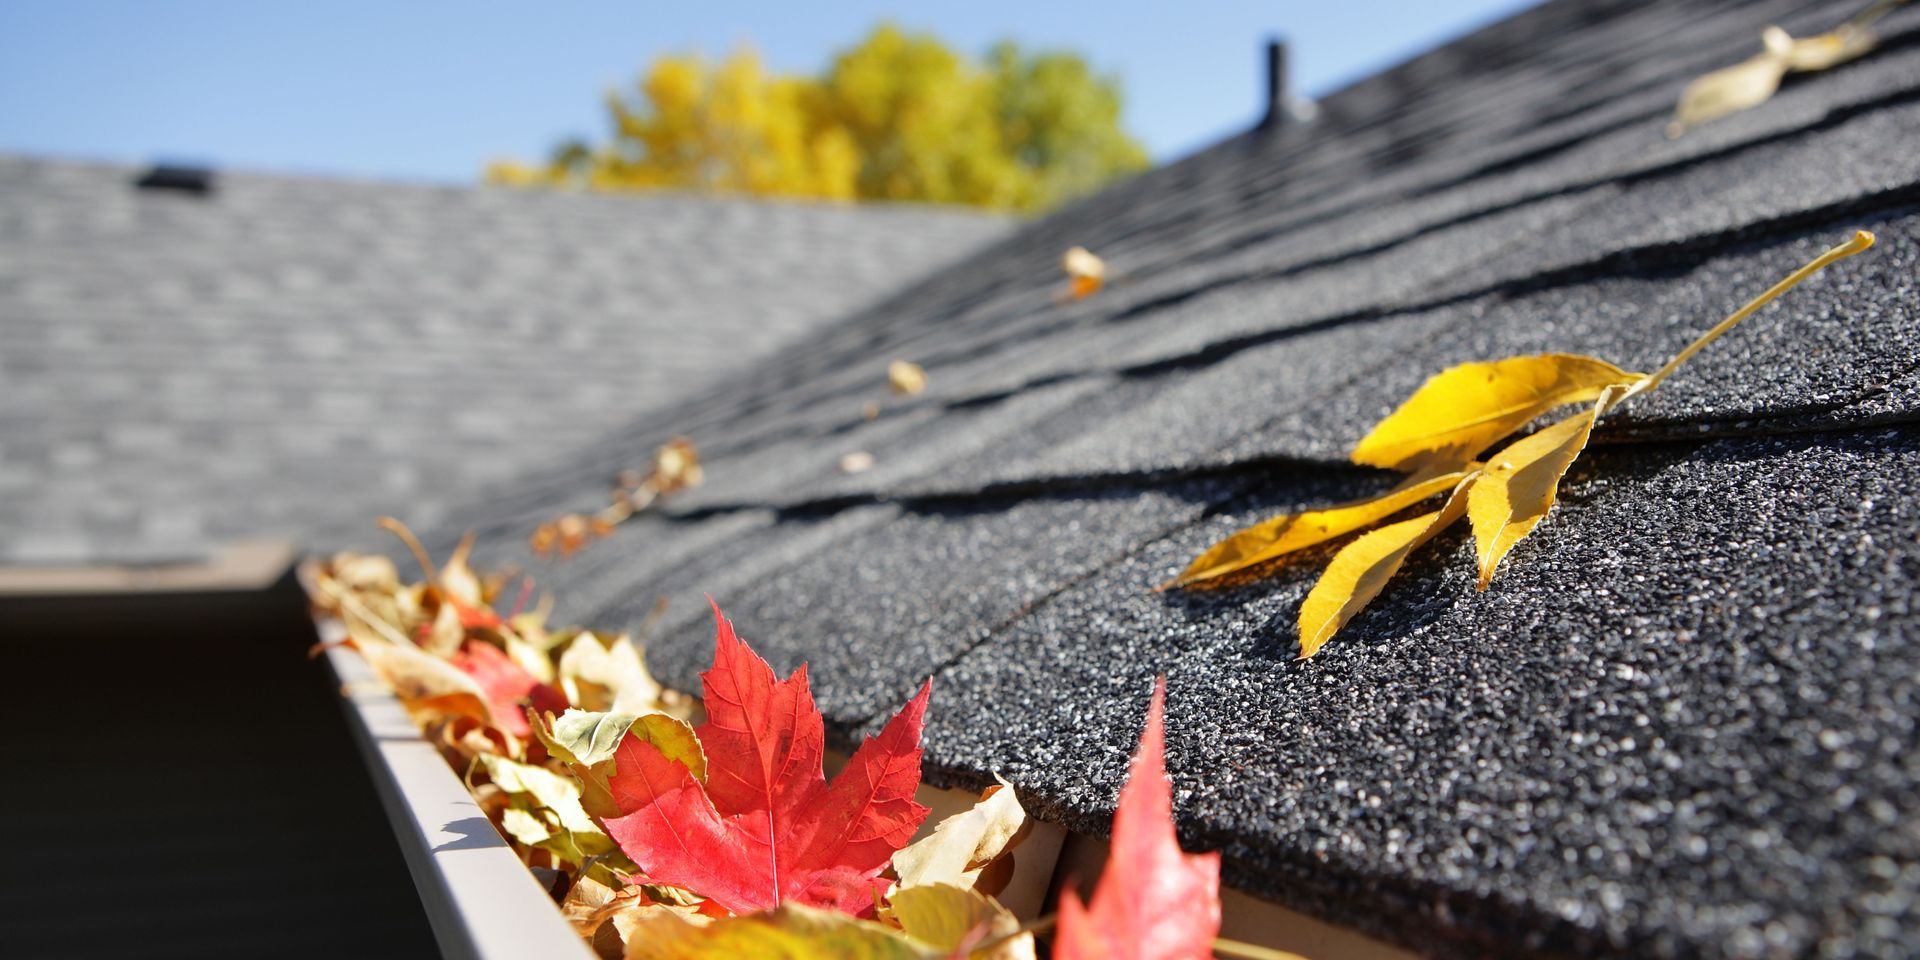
(288, 355)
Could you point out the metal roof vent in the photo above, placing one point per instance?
(197, 181)
(1282, 108)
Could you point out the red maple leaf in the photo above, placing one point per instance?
(1153, 902)
(508, 686)
(766, 828)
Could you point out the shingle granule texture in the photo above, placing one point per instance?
(1679, 724)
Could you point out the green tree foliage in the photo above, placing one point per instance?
(899, 117)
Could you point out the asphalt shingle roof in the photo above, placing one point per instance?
(1678, 724)
(288, 355)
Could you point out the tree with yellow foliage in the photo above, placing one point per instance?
(898, 117)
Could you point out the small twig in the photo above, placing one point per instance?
(1861, 241)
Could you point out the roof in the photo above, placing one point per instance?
(289, 354)
(1679, 723)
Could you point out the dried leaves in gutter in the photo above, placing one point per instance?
(1438, 437)
(671, 840)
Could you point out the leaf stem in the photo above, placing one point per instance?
(1250, 951)
(1861, 241)
(406, 536)
(1867, 17)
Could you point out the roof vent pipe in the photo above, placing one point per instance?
(197, 181)
(1277, 110)
(1282, 108)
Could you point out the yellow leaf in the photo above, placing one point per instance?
(1294, 531)
(1466, 409)
(1753, 82)
(1729, 90)
(676, 467)
(599, 673)
(457, 579)
(906, 378)
(545, 811)
(953, 919)
(445, 635)
(1830, 49)
(522, 825)
(531, 656)
(420, 679)
(792, 932)
(584, 737)
(364, 572)
(1362, 568)
(605, 916)
(550, 790)
(964, 844)
(1518, 485)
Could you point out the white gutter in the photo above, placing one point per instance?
(479, 897)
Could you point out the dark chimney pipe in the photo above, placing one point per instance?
(1277, 110)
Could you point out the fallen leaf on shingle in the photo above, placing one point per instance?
(1435, 434)
(1086, 273)
(676, 467)
(1362, 568)
(1517, 487)
(1462, 411)
(1830, 49)
(1291, 532)
(905, 378)
(1753, 81)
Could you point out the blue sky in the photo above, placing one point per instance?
(432, 89)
